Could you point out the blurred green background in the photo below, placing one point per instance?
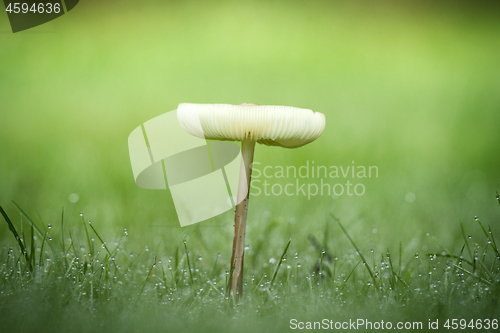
(413, 88)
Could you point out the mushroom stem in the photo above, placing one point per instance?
(240, 218)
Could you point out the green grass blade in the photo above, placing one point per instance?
(32, 252)
(21, 232)
(62, 239)
(16, 236)
(70, 266)
(451, 256)
(466, 240)
(349, 276)
(397, 276)
(188, 263)
(41, 249)
(370, 271)
(408, 275)
(320, 265)
(280, 262)
(482, 227)
(400, 256)
(100, 239)
(214, 270)
(30, 221)
(37, 229)
(474, 260)
(492, 243)
(326, 235)
(148, 275)
(393, 277)
(106, 266)
(91, 247)
(73, 244)
(176, 263)
(471, 274)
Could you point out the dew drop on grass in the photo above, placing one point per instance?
(470, 237)
(49, 226)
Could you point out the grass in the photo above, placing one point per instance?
(409, 87)
(122, 290)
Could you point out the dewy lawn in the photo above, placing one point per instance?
(53, 281)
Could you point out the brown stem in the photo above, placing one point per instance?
(240, 218)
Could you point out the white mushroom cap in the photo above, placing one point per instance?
(271, 125)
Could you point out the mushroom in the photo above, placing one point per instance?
(270, 125)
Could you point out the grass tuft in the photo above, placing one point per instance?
(102, 283)
(18, 239)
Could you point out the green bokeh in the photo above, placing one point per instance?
(412, 89)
